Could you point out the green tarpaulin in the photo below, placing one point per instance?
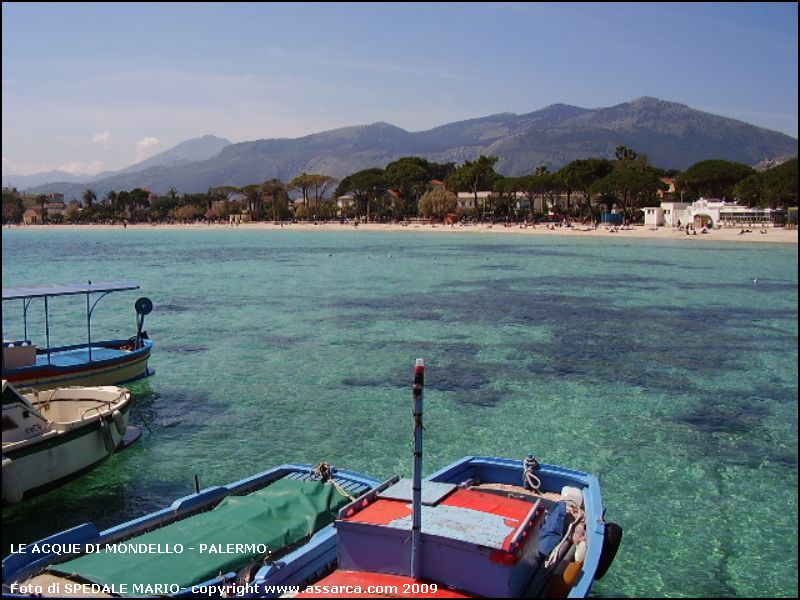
(279, 515)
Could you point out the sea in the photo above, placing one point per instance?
(666, 368)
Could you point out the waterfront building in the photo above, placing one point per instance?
(712, 212)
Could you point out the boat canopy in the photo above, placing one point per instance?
(50, 291)
(28, 293)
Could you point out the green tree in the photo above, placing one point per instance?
(776, 188)
(139, 204)
(13, 208)
(623, 153)
(409, 176)
(275, 195)
(89, 197)
(161, 207)
(506, 189)
(42, 199)
(321, 185)
(368, 187)
(780, 185)
(303, 184)
(475, 176)
(713, 178)
(633, 187)
(580, 175)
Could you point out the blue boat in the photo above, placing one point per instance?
(203, 544)
(91, 363)
(481, 527)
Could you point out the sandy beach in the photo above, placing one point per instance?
(776, 235)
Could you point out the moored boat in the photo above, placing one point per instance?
(481, 527)
(203, 544)
(52, 436)
(105, 362)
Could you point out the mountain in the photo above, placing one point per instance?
(671, 134)
(201, 148)
(22, 182)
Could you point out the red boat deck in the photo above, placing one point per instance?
(472, 541)
(467, 515)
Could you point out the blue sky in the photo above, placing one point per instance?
(91, 87)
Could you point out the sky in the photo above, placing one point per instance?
(91, 87)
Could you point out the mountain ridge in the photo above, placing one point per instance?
(673, 135)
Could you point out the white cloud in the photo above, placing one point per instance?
(82, 168)
(146, 147)
(74, 168)
(102, 138)
(148, 142)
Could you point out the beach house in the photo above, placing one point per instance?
(712, 212)
(465, 202)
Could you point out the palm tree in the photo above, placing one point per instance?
(89, 197)
(42, 202)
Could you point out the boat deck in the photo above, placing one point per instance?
(77, 356)
(472, 540)
(468, 516)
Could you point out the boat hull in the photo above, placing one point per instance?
(70, 366)
(55, 460)
(508, 472)
(317, 558)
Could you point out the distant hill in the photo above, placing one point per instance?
(201, 148)
(196, 149)
(22, 182)
(671, 134)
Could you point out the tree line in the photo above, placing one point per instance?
(415, 187)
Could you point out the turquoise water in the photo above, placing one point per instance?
(659, 366)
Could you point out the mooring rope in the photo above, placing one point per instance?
(323, 472)
(532, 482)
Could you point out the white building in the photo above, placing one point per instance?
(705, 212)
(674, 213)
(466, 201)
(741, 216)
(711, 212)
(345, 203)
(653, 216)
(668, 214)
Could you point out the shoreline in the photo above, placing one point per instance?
(776, 235)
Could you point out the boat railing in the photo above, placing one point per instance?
(103, 288)
(105, 404)
(524, 527)
(359, 503)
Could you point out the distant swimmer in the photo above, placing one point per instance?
(755, 281)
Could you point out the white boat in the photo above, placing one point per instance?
(49, 437)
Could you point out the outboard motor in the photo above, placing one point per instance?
(143, 307)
